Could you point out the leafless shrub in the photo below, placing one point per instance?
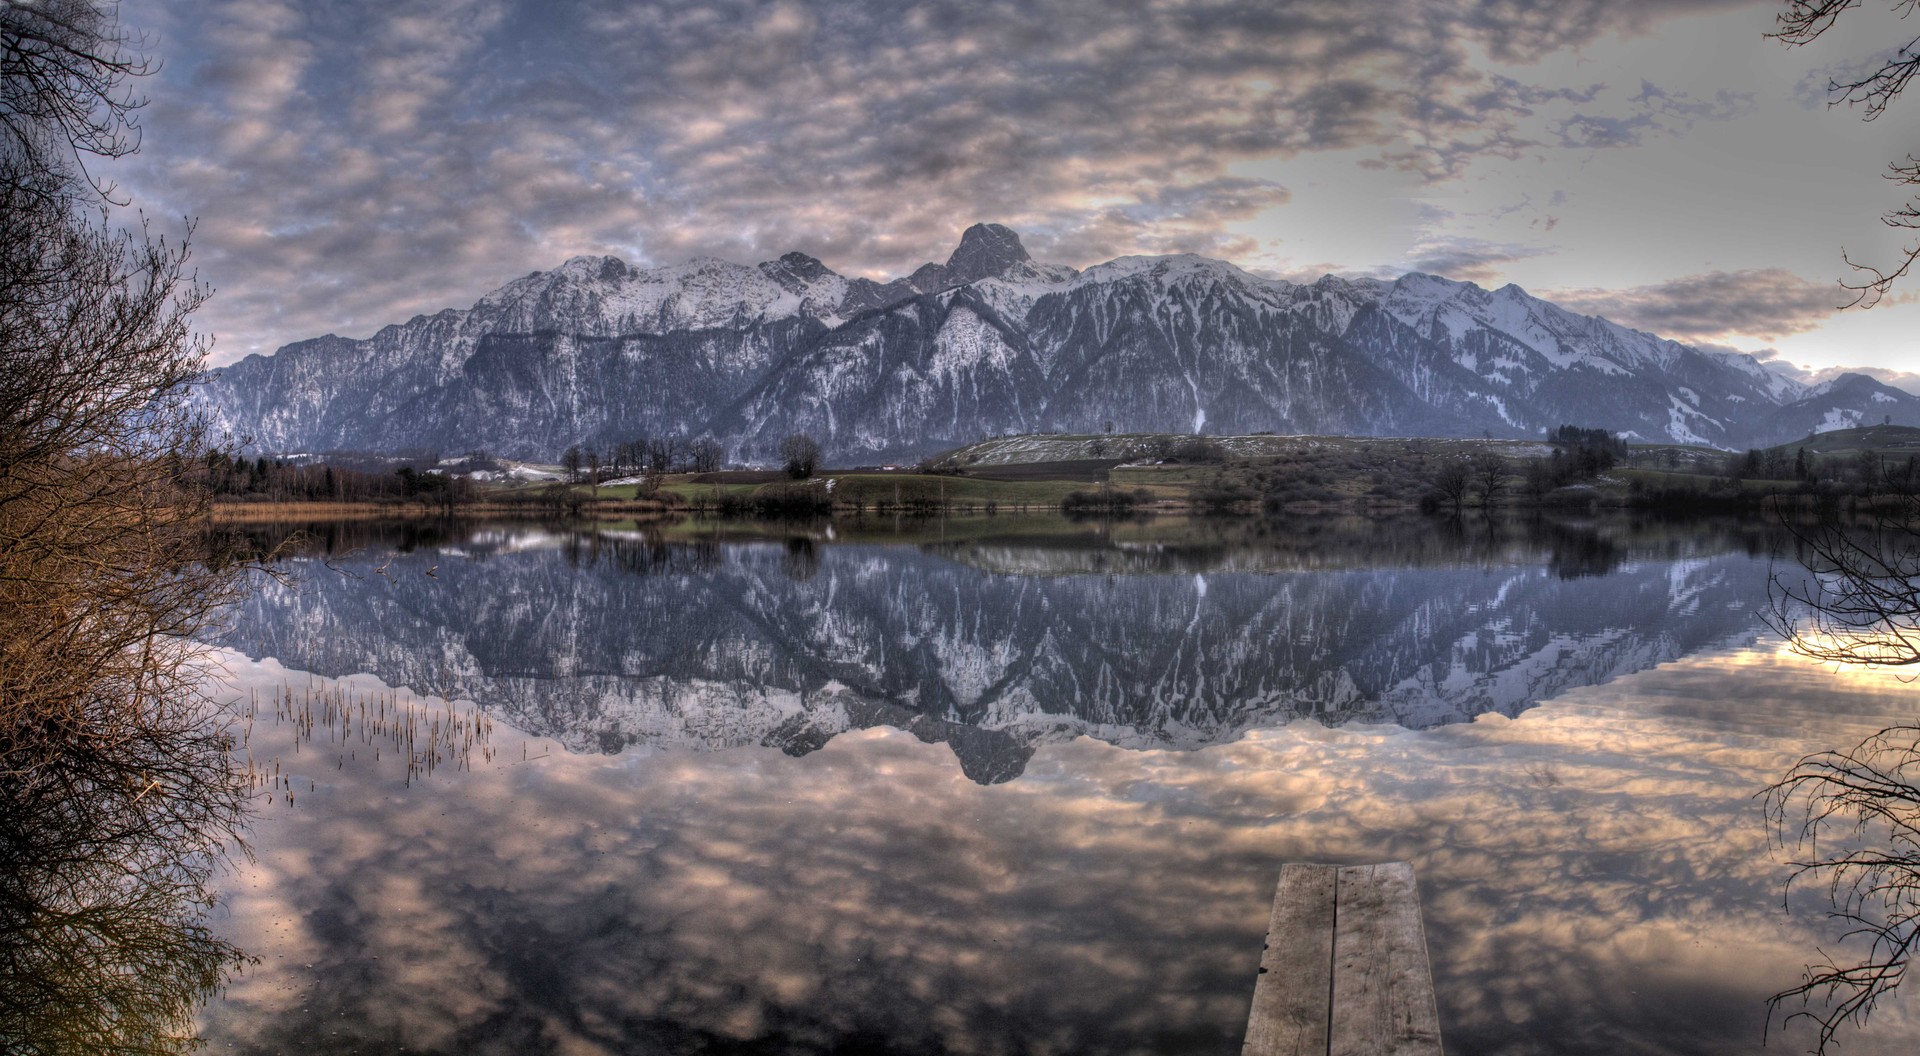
(117, 784)
(105, 853)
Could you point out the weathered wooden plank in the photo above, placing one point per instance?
(1295, 986)
(1382, 983)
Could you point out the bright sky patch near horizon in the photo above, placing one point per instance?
(351, 164)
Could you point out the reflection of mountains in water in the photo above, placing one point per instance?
(604, 641)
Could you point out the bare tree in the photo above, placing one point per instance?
(1873, 90)
(799, 456)
(117, 782)
(65, 66)
(1774, 463)
(1452, 480)
(1858, 601)
(706, 456)
(1854, 814)
(98, 510)
(105, 857)
(1866, 800)
(570, 461)
(661, 452)
(1871, 469)
(631, 454)
(1490, 476)
(1537, 477)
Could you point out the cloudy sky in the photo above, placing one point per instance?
(351, 163)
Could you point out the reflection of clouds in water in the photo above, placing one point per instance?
(1596, 871)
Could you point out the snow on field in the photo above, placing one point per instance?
(527, 471)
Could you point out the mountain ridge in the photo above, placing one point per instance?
(597, 351)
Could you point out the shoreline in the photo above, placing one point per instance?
(250, 512)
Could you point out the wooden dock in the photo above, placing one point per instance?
(1345, 971)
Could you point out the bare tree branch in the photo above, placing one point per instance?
(1867, 798)
(118, 785)
(1873, 91)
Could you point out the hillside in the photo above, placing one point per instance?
(1885, 439)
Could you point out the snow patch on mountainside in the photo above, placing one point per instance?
(1013, 291)
(1779, 386)
(616, 299)
(1681, 420)
(1839, 418)
(966, 344)
(1177, 270)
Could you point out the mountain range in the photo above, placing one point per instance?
(596, 352)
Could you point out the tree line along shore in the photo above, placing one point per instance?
(1570, 467)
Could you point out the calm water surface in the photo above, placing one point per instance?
(1016, 786)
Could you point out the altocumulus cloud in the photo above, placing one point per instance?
(354, 162)
(1767, 303)
(1467, 259)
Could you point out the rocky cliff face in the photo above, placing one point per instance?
(991, 341)
(605, 641)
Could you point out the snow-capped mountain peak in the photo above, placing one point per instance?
(605, 296)
(1179, 269)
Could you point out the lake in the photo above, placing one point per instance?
(1014, 785)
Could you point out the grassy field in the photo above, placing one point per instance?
(1278, 472)
(1014, 473)
(895, 489)
(867, 490)
(1172, 471)
(1704, 483)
